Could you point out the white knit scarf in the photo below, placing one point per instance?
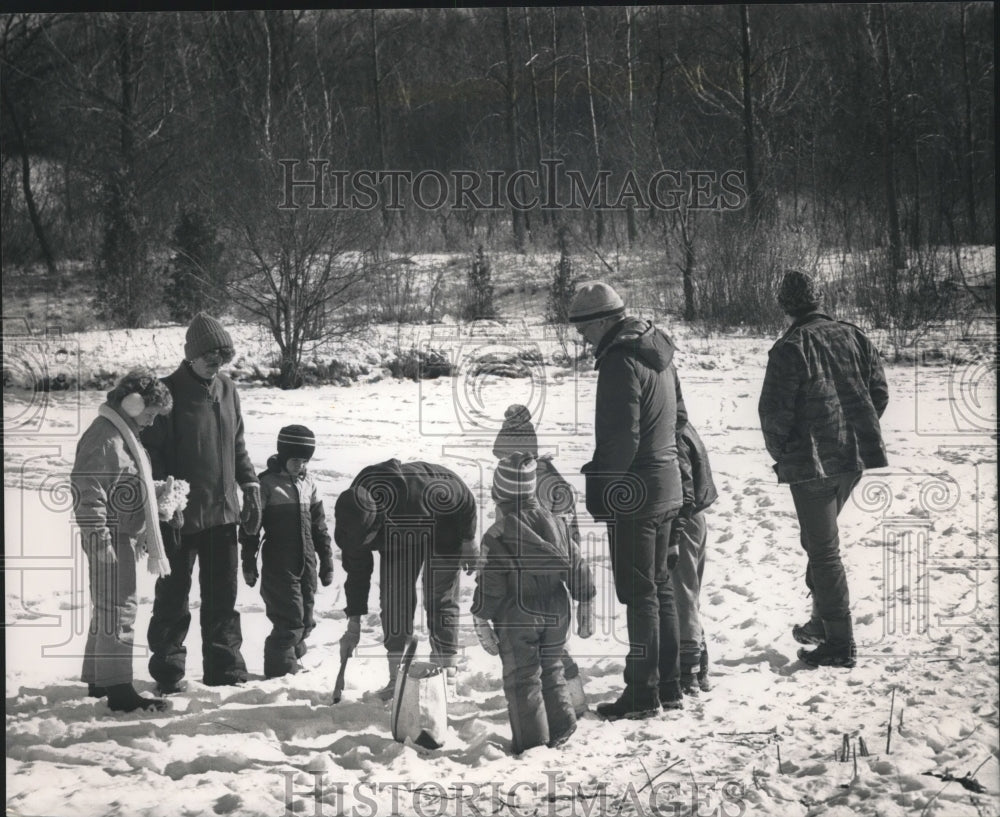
(157, 562)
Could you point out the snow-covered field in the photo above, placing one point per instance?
(920, 544)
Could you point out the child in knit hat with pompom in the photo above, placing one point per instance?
(529, 562)
(295, 540)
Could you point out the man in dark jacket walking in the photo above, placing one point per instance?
(633, 482)
(824, 392)
(201, 441)
(419, 517)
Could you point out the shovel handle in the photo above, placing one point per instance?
(338, 687)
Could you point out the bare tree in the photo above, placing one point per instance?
(304, 265)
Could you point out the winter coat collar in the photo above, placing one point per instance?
(639, 339)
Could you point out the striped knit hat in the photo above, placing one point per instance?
(295, 442)
(514, 478)
(595, 300)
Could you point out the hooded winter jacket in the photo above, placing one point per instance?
(414, 493)
(639, 409)
(696, 473)
(201, 441)
(529, 556)
(294, 526)
(824, 392)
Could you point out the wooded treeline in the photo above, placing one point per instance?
(856, 126)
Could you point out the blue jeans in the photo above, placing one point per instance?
(687, 576)
(818, 502)
(639, 544)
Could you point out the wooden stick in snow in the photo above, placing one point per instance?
(892, 705)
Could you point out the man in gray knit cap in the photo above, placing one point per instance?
(633, 483)
(824, 392)
(201, 441)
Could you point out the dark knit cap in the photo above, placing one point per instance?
(355, 514)
(799, 293)
(203, 335)
(517, 433)
(295, 442)
(515, 478)
(593, 301)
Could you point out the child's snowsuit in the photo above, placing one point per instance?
(295, 538)
(688, 535)
(530, 562)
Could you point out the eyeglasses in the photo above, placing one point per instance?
(218, 356)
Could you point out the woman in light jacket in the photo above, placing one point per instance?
(115, 507)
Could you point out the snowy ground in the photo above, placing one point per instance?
(920, 546)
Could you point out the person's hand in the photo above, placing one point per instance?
(673, 554)
(326, 574)
(250, 573)
(585, 619)
(102, 551)
(469, 559)
(487, 637)
(351, 637)
(251, 515)
(177, 520)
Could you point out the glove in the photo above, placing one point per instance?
(351, 637)
(673, 554)
(251, 516)
(250, 573)
(177, 520)
(469, 559)
(326, 575)
(585, 619)
(487, 638)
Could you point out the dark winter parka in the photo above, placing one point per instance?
(639, 408)
(201, 441)
(294, 529)
(824, 392)
(411, 494)
(529, 559)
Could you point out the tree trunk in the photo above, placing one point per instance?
(599, 213)
(513, 153)
(970, 142)
(896, 255)
(633, 233)
(687, 272)
(539, 150)
(379, 124)
(753, 191)
(29, 196)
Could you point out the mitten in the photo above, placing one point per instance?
(326, 574)
(487, 637)
(251, 516)
(250, 572)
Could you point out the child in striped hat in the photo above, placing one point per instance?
(530, 562)
(296, 548)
